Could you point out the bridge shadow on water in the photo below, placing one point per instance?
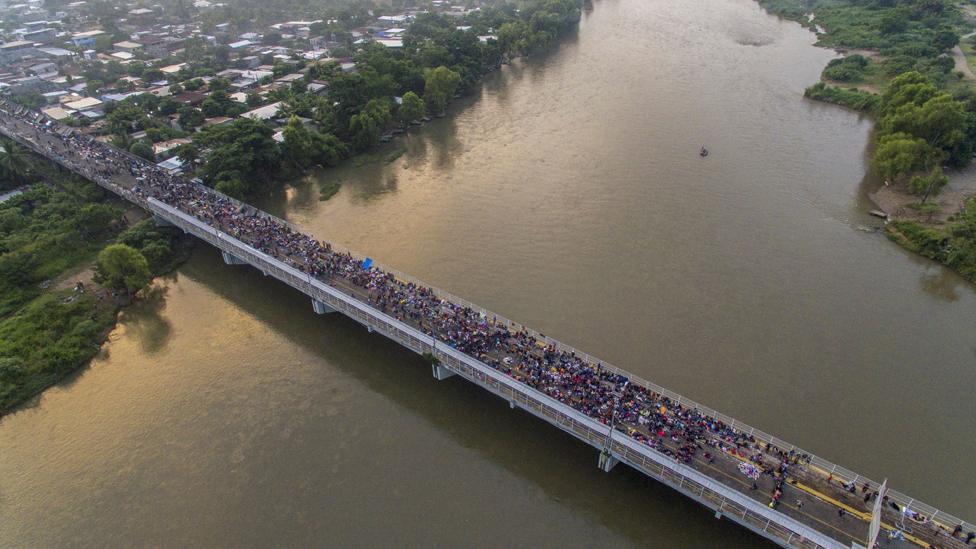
(624, 501)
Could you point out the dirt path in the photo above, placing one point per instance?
(962, 65)
(895, 200)
(871, 88)
(869, 54)
(84, 274)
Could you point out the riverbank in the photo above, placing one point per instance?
(879, 46)
(55, 312)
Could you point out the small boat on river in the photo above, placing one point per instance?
(704, 152)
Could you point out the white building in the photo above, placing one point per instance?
(266, 112)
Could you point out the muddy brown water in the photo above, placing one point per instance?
(569, 195)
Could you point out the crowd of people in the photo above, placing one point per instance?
(684, 433)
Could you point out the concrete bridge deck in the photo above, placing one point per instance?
(815, 510)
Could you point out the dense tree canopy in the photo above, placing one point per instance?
(439, 87)
(305, 147)
(412, 108)
(14, 165)
(365, 127)
(920, 126)
(124, 267)
(900, 153)
(143, 149)
(242, 156)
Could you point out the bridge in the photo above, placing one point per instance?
(767, 485)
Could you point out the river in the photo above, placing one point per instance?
(567, 194)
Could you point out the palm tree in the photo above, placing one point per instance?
(14, 165)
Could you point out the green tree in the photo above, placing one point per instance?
(242, 155)
(219, 84)
(353, 90)
(135, 68)
(190, 118)
(121, 266)
(512, 37)
(253, 100)
(846, 69)
(14, 166)
(211, 107)
(298, 144)
(899, 154)
(125, 117)
(168, 106)
(230, 184)
(92, 220)
(893, 22)
(153, 75)
(157, 254)
(941, 121)
(912, 105)
(439, 88)
(412, 108)
(364, 130)
(945, 38)
(143, 149)
(147, 102)
(928, 185)
(366, 126)
(329, 149)
(17, 268)
(193, 85)
(11, 219)
(32, 100)
(188, 153)
(12, 369)
(909, 88)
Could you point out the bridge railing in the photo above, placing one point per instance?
(827, 467)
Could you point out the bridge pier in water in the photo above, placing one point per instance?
(607, 461)
(231, 259)
(441, 373)
(321, 308)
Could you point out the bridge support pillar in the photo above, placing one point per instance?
(160, 222)
(232, 259)
(511, 404)
(607, 461)
(441, 373)
(321, 308)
